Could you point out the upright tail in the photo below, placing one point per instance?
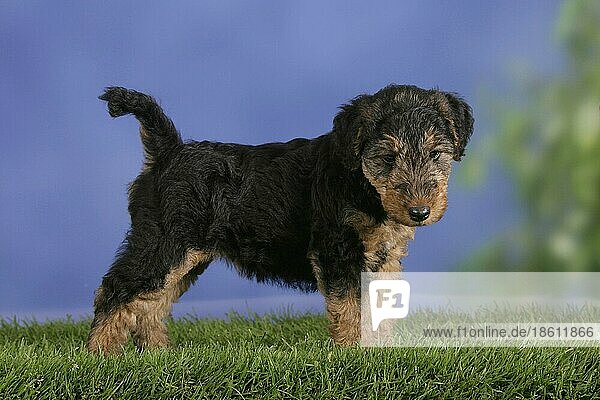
(159, 135)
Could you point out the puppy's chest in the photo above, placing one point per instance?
(384, 244)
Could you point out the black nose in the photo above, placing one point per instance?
(419, 214)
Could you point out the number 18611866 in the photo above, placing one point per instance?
(562, 331)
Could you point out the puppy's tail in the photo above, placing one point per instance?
(159, 135)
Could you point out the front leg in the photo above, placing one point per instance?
(337, 262)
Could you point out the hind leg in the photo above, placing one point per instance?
(148, 266)
(151, 310)
(110, 328)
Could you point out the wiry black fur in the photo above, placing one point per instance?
(263, 208)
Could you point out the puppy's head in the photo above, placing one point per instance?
(404, 140)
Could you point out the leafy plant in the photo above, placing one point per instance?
(548, 142)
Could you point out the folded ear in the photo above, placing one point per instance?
(460, 118)
(351, 127)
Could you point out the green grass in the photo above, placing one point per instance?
(279, 357)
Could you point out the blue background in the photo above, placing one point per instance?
(247, 72)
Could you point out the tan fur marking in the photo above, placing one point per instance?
(430, 139)
(441, 201)
(393, 142)
(344, 318)
(392, 203)
(144, 316)
(389, 239)
(152, 309)
(110, 332)
(343, 313)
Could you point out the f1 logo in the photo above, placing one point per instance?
(389, 299)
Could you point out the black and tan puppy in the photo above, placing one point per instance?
(309, 214)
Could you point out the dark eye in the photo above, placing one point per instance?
(390, 159)
(434, 155)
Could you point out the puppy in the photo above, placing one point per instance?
(308, 214)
